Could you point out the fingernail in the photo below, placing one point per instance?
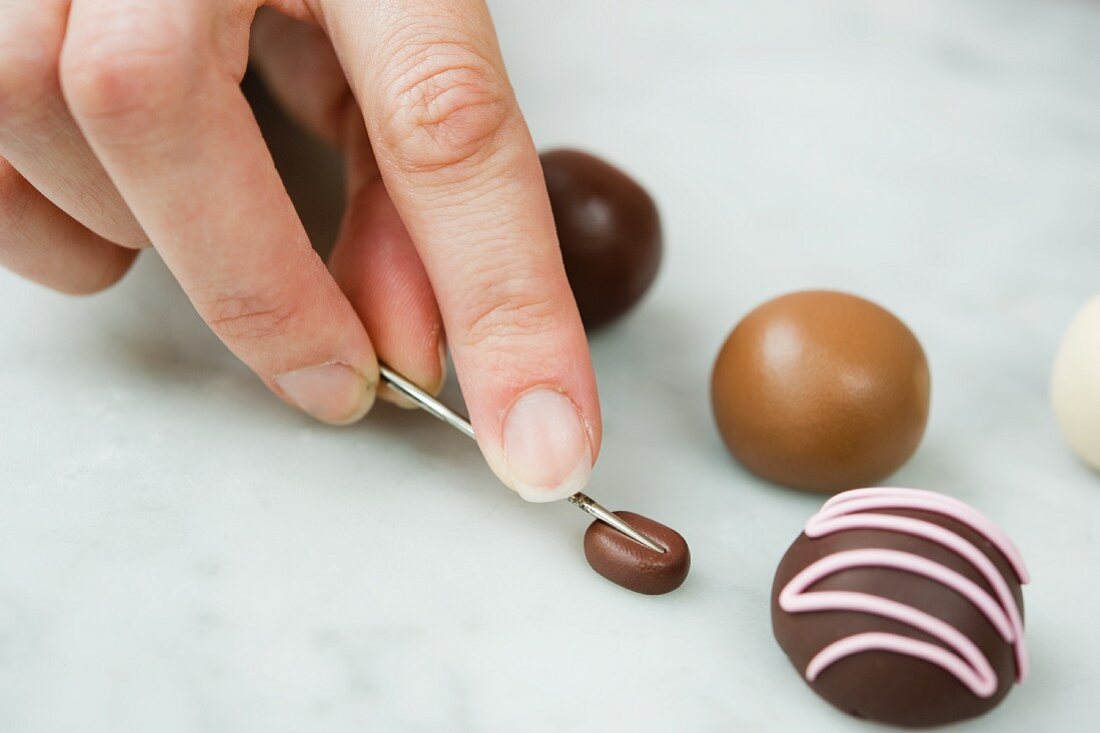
(442, 362)
(333, 393)
(546, 447)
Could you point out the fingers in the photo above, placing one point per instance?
(153, 86)
(374, 261)
(37, 133)
(44, 244)
(378, 268)
(462, 171)
(301, 71)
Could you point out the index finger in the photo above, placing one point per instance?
(163, 110)
(461, 168)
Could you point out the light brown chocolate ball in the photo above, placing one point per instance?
(821, 390)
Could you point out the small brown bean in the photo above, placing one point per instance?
(632, 565)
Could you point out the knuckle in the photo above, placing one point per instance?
(249, 317)
(117, 73)
(444, 107)
(510, 312)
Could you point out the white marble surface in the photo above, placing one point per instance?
(180, 552)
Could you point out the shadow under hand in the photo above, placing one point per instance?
(312, 172)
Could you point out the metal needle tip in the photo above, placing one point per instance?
(594, 508)
(437, 409)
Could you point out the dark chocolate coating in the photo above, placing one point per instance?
(883, 686)
(821, 390)
(609, 231)
(633, 566)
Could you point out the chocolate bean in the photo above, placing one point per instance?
(632, 565)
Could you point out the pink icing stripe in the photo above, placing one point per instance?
(851, 510)
(979, 675)
(977, 682)
(930, 501)
(859, 502)
(818, 527)
(908, 562)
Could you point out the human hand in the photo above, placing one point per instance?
(122, 125)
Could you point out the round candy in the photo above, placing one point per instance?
(1075, 384)
(821, 390)
(609, 231)
(633, 566)
(903, 607)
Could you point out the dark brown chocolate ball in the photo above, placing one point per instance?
(903, 607)
(609, 231)
(633, 566)
(821, 390)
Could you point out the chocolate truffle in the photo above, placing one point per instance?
(903, 607)
(609, 231)
(821, 390)
(633, 566)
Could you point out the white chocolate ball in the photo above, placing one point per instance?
(1075, 383)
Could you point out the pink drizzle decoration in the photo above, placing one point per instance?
(855, 510)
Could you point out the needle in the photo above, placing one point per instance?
(437, 409)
